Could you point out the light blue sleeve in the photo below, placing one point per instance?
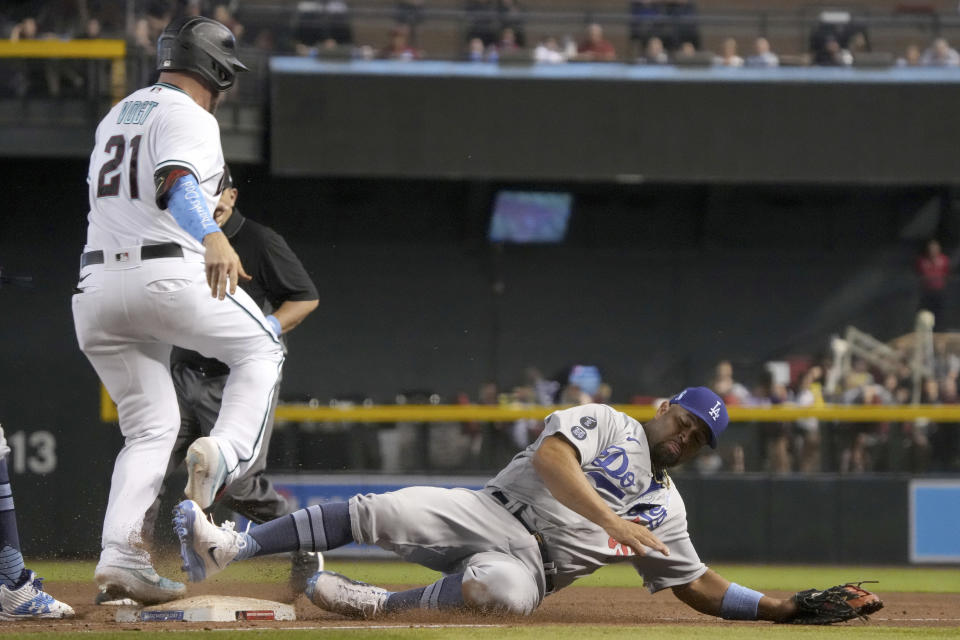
(186, 204)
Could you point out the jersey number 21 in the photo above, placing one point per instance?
(108, 184)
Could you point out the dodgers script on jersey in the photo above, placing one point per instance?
(152, 128)
(615, 456)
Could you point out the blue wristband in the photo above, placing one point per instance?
(274, 324)
(740, 603)
(188, 207)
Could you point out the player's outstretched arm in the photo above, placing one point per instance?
(557, 464)
(714, 595)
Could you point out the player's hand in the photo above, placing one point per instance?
(636, 536)
(223, 265)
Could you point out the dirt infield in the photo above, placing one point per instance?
(574, 605)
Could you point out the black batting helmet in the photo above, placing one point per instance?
(203, 46)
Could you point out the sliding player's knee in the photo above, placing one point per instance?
(500, 587)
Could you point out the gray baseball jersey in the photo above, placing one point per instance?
(615, 456)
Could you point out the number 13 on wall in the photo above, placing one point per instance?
(33, 452)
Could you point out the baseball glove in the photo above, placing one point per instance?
(836, 604)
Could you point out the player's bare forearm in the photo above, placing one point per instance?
(705, 594)
(557, 465)
(292, 312)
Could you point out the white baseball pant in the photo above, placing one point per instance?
(127, 317)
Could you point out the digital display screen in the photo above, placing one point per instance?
(530, 217)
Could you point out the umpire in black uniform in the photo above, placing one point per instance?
(282, 289)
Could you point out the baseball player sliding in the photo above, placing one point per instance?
(592, 490)
(157, 271)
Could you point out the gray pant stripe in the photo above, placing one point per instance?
(427, 596)
(319, 533)
(431, 595)
(6, 504)
(302, 520)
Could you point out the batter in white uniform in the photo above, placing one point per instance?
(157, 271)
(591, 491)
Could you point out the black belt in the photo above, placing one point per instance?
(549, 568)
(147, 252)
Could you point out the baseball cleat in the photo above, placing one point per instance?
(104, 599)
(340, 594)
(205, 548)
(145, 586)
(303, 564)
(30, 602)
(206, 471)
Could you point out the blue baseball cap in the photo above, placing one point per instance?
(707, 406)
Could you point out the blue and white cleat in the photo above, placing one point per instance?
(30, 602)
(205, 548)
(206, 471)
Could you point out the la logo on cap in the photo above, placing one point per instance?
(715, 411)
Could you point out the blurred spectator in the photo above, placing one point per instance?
(506, 45)
(911, 57)
(806, 444)
(645, 20)
(478, 432)
(317, 22)
(683, 15)
(410, 13)
(587, 379)
(834, 33)
(728, 55)
(858, 43)
(223, 15)
(476, 50)
(147, 29)
(672, 21)
(687, 49)
(511, 17)
(940, 54)
(26, 29)
(723, 384)
(946, 364)
(654, 53)
(856, 379)
(525, 430)
(92, 30)
(32, 77)
(933, 268)
(398, 46)
(832, 54)
(483, 21)
(189, 8)
(594, 46)
(945, 437)
(762, 55)
(776, 435)
(548, 51)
